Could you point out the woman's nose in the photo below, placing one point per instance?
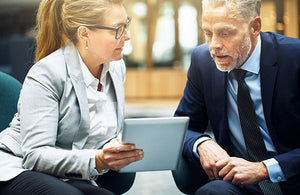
(126, 35)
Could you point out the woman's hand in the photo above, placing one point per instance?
(116, 155)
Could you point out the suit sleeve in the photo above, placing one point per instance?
(193, 105)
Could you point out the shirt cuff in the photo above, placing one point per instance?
(274, 170)
(93, 173)
(199, 141)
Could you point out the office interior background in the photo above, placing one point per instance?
(163, 35)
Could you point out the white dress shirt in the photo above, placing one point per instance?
(102, 109)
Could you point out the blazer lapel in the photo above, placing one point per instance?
(75, 73)
(268, 72)
(119, 91)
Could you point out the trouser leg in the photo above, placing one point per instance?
(37, 183)
(221, 187)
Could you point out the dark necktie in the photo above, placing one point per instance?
(254, 142)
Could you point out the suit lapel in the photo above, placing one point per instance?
(219, 89)
(268, 72)
(219, 95)
(75, 73)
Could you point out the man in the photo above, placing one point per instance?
(271, 64)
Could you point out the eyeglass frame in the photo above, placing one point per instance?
(116, 29)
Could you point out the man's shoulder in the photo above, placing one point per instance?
(280, 37)
(202, 49)
(201, 53)
(281, 41)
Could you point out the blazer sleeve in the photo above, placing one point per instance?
(284, 118)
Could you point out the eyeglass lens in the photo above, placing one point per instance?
(121, 30)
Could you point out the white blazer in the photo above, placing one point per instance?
(49, 130)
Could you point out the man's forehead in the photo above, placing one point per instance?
(218, 26)
(220, 11)
(220, 17)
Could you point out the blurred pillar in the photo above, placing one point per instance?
(299, 19)
(198, 6)
(177, 45)
(151, 25)
(279, 16)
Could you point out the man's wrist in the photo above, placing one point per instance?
(197, 143)
(274, 170)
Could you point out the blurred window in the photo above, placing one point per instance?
(188, 33)
(163, 47)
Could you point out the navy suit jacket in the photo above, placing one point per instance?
(205, 101)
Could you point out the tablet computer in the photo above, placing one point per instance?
(161, 139)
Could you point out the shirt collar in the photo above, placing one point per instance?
(88, 78)
(253, 63)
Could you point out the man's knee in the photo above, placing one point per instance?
(219, 187)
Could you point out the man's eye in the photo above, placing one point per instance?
(225, 34)
(208, 34)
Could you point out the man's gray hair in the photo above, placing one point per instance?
(248, 9)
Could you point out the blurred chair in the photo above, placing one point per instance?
(189, 177)
(21, 55)
(9, 95)
(4, 56)
(119, 183)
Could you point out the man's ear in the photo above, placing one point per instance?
(255, 26)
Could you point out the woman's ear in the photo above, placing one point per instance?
(83, 36)
(82, 33)
(255, 26)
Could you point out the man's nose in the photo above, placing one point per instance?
(215, 43)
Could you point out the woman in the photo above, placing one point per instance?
(71, 106)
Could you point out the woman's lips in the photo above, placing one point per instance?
(120, 49)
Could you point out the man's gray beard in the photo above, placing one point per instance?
(246, 45)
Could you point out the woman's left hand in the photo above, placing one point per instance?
(116, 155)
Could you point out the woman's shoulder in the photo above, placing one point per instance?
(53, 63)
(50, 71)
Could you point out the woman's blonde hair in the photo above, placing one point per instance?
(58, 21)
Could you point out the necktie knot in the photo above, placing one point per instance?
(239, 74)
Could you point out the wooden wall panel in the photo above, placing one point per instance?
(155, 83)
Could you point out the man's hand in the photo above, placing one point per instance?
(116, 155)
(241, 172)
(210, 153)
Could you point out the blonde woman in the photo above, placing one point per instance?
(63, 140)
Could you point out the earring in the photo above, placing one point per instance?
(86, 45)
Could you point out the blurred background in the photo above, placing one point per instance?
(163, 35)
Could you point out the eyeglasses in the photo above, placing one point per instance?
(119, 30)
